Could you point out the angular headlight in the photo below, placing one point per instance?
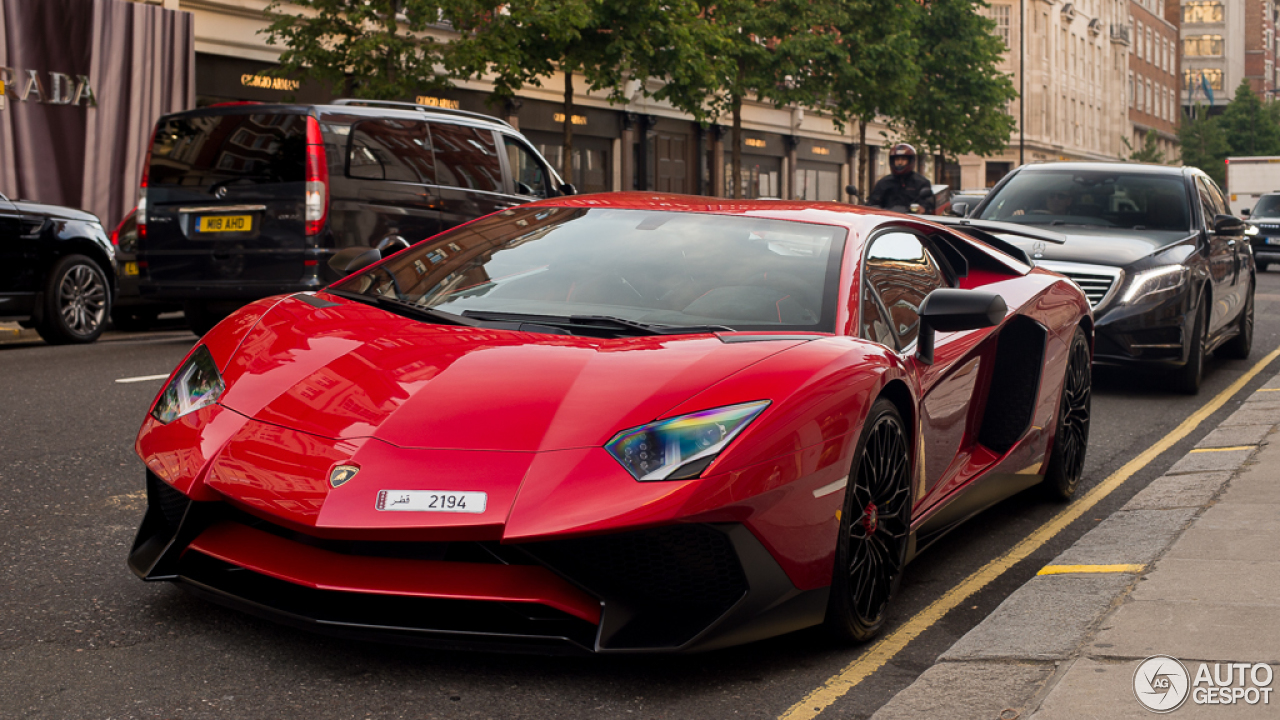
(1251, 230)
(682, 447)
(1155, 281)
(196, 385)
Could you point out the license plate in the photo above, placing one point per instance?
(1273, 241)
(131, 268)
(431, 501)
(224, 223)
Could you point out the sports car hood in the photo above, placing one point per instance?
(351, 371)
(1099, 246)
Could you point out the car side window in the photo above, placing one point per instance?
(901, 271)
(1209, 208)
(1219, 199)
(527, 172)
(467, 157)
(387, 149)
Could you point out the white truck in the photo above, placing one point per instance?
(1249, 178)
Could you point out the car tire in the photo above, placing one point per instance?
(874, 527)
(126, 320)
(77, 302)
(1189, 376)
(1071, 436)
(1239, 347)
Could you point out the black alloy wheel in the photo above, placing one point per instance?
(1239, 346)
(874, 527)
(1188, 378)
(1071, 438)
(77, 301)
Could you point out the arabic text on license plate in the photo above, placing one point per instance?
(225, 223)
(131, 268)
(431, 501)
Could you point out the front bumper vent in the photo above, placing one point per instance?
(1097, 282)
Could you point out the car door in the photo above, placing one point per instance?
(1223, 263)
(900, 270)
(391, 167)
(17, 257)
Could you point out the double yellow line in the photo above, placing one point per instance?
(889, 646)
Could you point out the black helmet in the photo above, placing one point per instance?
(906, 151)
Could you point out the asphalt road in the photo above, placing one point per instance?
(81, 637)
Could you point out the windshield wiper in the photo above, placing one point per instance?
(407, 309)
(598, 322)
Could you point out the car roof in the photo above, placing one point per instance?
(1133, 167)
(377, 109)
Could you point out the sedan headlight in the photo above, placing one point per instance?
(1156, 281)
(682, 447)
(198, 384)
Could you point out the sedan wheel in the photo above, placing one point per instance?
(76, 302)
(874, 527)
(1066, 460)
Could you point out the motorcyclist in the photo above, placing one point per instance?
(903, 189)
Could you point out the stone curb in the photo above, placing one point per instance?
(1012, 659)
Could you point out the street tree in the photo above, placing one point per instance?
(609, 44)
(1150, 150)
(1204, 144)
(1250, 129)
(961, 100)
(378, 49)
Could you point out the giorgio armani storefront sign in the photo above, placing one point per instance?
(83, 83)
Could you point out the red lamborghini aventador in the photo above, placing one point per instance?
(616, 423)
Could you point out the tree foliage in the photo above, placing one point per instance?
(1150, 150)
(1204, 145)
(1250, 129)
(379, 46)
(960, 103)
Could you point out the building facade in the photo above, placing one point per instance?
(1153, 76)
(1213, 33)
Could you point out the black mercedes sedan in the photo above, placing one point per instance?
(1168, 271)
(57, 271)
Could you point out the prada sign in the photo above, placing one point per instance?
(59, 89)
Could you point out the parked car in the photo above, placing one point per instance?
(617, 423)
(244, 200)
(1264, 230)
(131, 312)
(57, 271)
(1166, 267)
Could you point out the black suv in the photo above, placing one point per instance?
(57, 271)
(1264, 230)
(244, 200)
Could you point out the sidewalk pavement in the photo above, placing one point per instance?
(1191, 569)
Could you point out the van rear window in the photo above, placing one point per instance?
(256, 148)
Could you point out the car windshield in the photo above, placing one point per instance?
(1268, 206)
(660, 269)
(1105, 198)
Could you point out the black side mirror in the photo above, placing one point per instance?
(568, 189)
(949, 310)
(348, 260)
(853, 192)
(1245, 212)
(1228, 225)
(959, 209)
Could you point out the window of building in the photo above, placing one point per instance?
(1192, 77)
(1000, 13)
(1202, 11)
(1202, 46)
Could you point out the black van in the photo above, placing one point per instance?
(244, 200)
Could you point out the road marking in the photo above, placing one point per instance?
(1072, 569)
(890, 645)
(1268, 390)
(1225, 449)
(143, 378)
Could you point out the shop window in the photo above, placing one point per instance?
(997, 170)
(817, 185)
